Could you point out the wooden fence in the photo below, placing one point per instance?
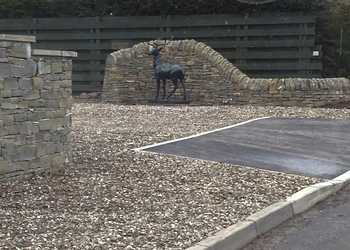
(263, 46)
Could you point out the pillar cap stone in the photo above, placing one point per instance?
(17, 38)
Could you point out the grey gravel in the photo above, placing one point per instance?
(114, 198)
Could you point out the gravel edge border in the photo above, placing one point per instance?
(238, 235)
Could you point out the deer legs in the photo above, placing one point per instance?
(164, 89)
(175, 88)
(158, 89)
(184, 88)
(176, 85)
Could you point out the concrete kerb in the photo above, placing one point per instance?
(237, 236)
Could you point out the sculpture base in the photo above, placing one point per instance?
(170, 102)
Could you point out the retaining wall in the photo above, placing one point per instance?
(35, 104)
(212, 79)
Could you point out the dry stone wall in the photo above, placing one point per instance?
(211, 79)
(35, 104)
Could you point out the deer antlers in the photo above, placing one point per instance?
(157, 45)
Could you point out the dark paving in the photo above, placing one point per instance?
(324, 227)
(310, 147)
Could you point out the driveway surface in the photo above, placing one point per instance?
(309, 147)
(324, 227)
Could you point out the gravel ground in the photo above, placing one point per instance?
(114, 198)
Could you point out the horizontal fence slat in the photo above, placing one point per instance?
(88, 67)
(90, 57)
(280, 66)
(226, 20)
(261, 44)
(132, 22)
(286, 73)
(74, 45)
(151, 21)
(242, 33)
(118, 35)
(150, 35)
(278, 54)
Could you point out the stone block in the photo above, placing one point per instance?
(18, 92)
(20, 117)
(5, 70)
(5, 44)
(8, 105)
(38, 82)
(20, 50)
(67, 66)
(26, 68)
(45, 124)
(25, 153)
(57, 67)
(11, 83)
(51, 124)
(3, 55)
(5, 93)
(16, 152)
(32, 96)
(25, 83)
(46, 149)
(28, 128)
(4, 167)
(39, 103)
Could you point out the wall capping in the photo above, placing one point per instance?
(17, 38)
(59, 53)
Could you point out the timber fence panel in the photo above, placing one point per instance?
(266, 45)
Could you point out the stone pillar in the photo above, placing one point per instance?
(35, 103)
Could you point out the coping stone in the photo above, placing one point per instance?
(17, 38)
(60, 53)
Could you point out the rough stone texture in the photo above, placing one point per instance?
(35, 103)
(212, 79)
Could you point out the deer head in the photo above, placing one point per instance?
(155, 48)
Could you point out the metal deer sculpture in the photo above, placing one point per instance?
(166, 71)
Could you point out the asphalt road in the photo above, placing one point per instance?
(324, 227)
(309, 147)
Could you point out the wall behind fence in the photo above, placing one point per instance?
(262, 46)
(35, 102)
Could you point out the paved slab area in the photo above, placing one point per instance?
(324, 227)
(309, 147)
